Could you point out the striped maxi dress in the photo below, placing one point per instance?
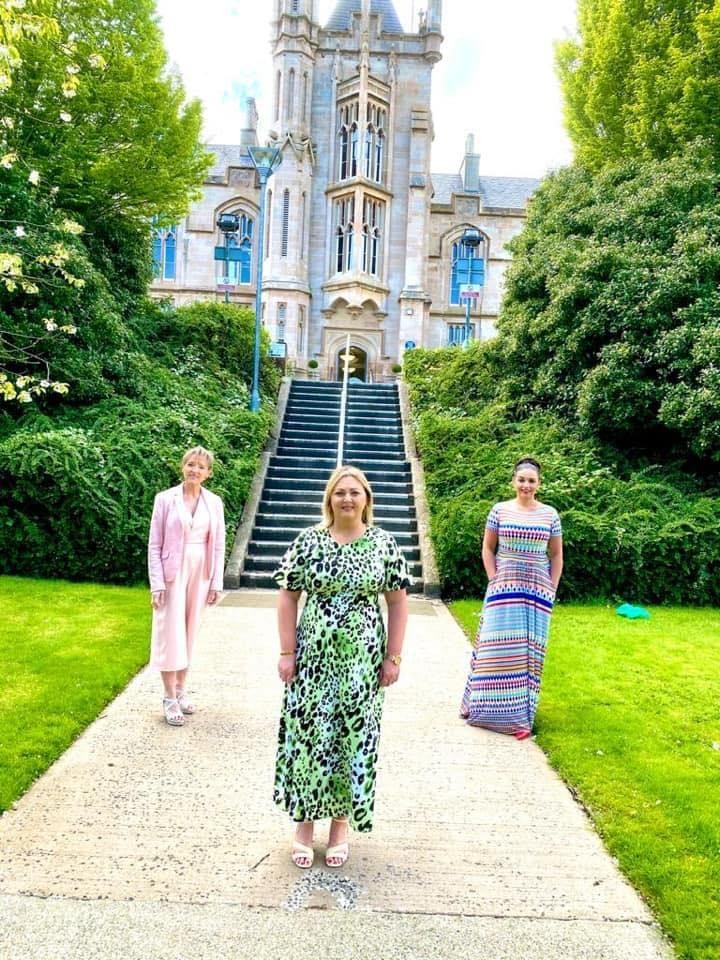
(503, 686)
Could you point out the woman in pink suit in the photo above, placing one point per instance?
(186, 557)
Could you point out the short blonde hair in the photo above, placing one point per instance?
(335, 478)
(208, 455)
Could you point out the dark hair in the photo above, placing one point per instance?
(530, 462)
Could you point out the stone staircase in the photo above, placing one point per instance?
(306, 455)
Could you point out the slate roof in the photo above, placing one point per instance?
(510, 193)
(227, 155)
(341, 17)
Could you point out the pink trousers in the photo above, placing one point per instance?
(175, 625)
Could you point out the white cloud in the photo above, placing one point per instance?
(496, 78)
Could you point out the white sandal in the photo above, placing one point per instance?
(187, 706)
(339, 852)
(173, 714)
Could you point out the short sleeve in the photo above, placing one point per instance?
(291, 573)
(397, 576)
(556, 526)
(493, 520)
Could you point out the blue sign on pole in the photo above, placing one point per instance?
(410, 344)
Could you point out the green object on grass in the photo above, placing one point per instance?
(632, 613)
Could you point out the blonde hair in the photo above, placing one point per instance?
(208, 455)
(335, 478)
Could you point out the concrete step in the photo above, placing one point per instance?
(267, 524)
(300, 482)
(293, 502)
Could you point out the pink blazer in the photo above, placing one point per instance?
(165, 544)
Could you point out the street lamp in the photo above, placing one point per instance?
(265, 160)
(471, 240)
(228, 223)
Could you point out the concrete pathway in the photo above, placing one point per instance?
(145, 842)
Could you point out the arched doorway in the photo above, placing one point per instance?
(358, 364)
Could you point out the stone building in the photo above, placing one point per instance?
(361, 238)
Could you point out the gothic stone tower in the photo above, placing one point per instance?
(348, 217)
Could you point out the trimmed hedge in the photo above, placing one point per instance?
(645, 533)
(77, 483)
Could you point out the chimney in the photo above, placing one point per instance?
(248, 135)
(471, 167)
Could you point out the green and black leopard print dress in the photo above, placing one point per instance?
(330, 721)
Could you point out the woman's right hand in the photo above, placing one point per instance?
(286, 667)
(157, 599)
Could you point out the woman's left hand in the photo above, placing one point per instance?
(213, 597)
(389, 673)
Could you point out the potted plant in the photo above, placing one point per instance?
(397, 370)
(313, 368)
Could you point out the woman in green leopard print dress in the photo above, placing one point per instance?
(335, 664)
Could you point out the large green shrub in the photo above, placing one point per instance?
(77, 489)
(639, 532)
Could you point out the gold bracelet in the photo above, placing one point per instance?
(287, 653)
(396, 659)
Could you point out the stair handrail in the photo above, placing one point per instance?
(345, 357)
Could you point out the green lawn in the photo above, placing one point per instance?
(630, 717)
(66, 649)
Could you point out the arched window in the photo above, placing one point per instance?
(373, 212)
(239, 266)
(303, 225)
(164, 253)
(303, 106)
(268, 222)
(281, 320)
(344, 227)
(467, 266)
(301, 330)
(348, 141)
(374, 159)
(291, 95)
(276, 99)
(285, 224)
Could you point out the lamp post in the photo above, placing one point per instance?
(265, 160)
(229, 223)
(471, 240)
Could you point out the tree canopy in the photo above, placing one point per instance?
(95, 141)
(642, 79)
(611, 313)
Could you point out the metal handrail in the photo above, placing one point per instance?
(343, 403)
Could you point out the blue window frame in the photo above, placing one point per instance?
(457, 334)
(468, 266)
(164, 253)
(238, 269)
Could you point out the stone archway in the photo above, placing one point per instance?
(359, 363)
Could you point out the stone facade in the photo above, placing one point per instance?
(361, 238)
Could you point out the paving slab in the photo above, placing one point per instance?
(150, 841)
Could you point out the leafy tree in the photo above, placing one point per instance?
(611, 314)
(120, 142)
(95, 139)
(642, 79)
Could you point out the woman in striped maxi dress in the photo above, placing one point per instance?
(523, 558)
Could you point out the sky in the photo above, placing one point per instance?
(496, 79)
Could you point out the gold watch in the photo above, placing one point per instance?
(396, 659)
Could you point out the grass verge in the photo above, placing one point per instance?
(67, 650)
(630, 717)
